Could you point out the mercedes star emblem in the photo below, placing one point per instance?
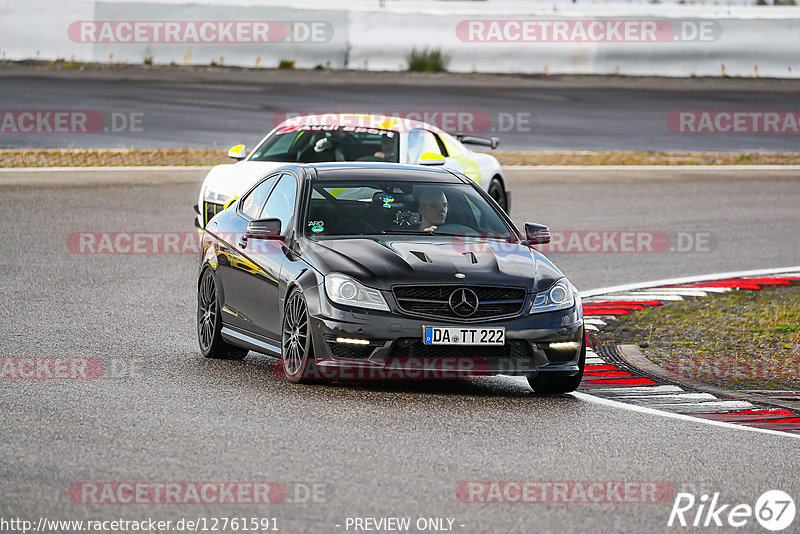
(464, 302)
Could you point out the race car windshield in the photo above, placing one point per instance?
(402, 208)
(315, 144)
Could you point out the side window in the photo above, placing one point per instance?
(442, 149)
(280, 204)
(252, 203)
(419, 142)
(454, 147)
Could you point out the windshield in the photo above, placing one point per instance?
(423, 208)
(315, 144)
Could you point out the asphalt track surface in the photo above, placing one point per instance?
(164, 413)
(214, 107)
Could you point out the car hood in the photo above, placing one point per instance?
(393, 260)
(235, 179)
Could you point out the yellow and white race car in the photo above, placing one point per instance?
(350, 137)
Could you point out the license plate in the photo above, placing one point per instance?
(456, 335)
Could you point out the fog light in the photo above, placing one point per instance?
(565, 345)
(352, 340)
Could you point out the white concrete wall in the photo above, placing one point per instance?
(765, 41)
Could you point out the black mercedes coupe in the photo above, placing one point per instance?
(382, 270)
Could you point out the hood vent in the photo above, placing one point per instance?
(422, 256)
(472, 257)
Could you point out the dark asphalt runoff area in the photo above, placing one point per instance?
(172, 107)
(163, 413)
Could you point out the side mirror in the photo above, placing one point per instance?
(238, 152)
(263, 229)
(536, 234)
(429, 158)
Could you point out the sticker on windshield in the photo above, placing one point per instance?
(387, 201)
(317, 226)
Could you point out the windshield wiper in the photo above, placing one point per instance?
(408, 232)
(446, 234)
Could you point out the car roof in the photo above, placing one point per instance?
(369, 120)
(363, 171)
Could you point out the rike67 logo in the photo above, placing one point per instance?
(774, 510)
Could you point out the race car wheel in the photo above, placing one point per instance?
(549, 385)
(296, 349)
(209, 322)
(497, 192)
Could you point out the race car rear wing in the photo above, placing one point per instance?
(477, 140)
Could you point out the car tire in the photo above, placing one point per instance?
(498, 193)
(297, 353)
(551, 385)
(209, 322)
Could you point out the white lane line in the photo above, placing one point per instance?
(661, 169)
(683, 417)
(623, 298)
(644, 296)
(639, 389)
(121, 168)
(677, 397)
(679, 292)
(719, 406)
(706, 289)
(789, 271)
(702, 291)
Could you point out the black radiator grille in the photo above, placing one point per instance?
(415, 348)
(435, 300)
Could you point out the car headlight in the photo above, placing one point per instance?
(347, 291)
(558, 297)
(216, 197)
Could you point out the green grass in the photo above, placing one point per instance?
(427, 60)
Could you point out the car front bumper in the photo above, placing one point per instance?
(356, 343)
